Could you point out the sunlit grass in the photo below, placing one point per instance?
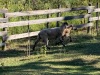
(50, 64)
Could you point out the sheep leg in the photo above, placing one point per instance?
(70, 38)
(46, 41)
(38, 39)
(62, 42)
(57, 41)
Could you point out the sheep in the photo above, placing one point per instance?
(57, 33)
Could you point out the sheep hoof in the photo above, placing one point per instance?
(48, 48)
(64, 46)
(71, 41)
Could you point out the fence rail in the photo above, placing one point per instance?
(3, 33)
(2, 44)
(24, 35)
(3, 11)
(3, 19)
(41, 12)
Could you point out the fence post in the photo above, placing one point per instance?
(48, 16)
(89, 12)
(97, 15)
(28, 30)
(4, 29)
(58, 15)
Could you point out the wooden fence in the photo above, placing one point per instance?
(4, 21)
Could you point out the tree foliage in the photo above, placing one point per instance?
(20, 5)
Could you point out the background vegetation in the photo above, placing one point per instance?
(28, 5)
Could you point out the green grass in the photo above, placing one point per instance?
(80, 57)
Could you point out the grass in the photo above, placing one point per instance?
(80, 57)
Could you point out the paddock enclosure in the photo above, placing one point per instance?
(6, 24)
(22, 20)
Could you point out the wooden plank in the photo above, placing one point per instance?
(24, 35)
(3, 20)
(83, 25)
(3, 10)
(2, 44)
(3, 33)
(40, 12)
(97, 10)
(30, 22)
(91, 9)
(94, 18)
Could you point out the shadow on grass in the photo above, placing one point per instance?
(49, 68)
(85, 48)
(11, 53)
(82, 48)
(79, 45)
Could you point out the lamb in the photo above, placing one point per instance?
(57, 33)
